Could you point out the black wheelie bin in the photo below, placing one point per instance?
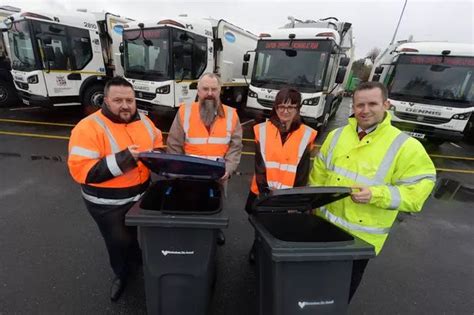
(178, 218)
(304, 263)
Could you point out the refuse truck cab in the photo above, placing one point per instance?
(164, 59)
(430, 88)
(315, 57)
(64, 59)
(8, 95)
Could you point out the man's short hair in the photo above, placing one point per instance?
(116, 81)
(212, 76)
(369, 85)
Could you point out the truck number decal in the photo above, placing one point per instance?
(90, 25)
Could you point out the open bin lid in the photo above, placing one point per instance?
(299, 198)
(180, 165)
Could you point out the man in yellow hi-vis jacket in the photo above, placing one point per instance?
(389, 170)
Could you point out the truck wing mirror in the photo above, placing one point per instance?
(344, 62)
(378, 70)
(341, 73)
(121, 48)
(49, 53)
(247, 57)
(245, 68)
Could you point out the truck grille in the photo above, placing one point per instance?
(423, 119)
(145, 95)
(265, 103)
(21, 85)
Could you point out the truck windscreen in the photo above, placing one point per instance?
(446, 81)
(147, 54)
(23, 57)
(300, 63)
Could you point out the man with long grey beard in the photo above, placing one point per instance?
(216, 123)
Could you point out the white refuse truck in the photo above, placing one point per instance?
(163, 59)
(8, 95)
(315, 57)
(430, 88)
(64, 59)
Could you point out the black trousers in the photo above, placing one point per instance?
(358, 268)
(120, 240)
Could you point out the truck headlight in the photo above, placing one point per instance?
(252, 94)
(163, 90)
(32, 79)
(311, 101)
(463, 116)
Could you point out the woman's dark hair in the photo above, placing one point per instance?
(288, 94)
(284, 95)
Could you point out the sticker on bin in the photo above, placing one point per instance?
(302, 305)
(175, 252)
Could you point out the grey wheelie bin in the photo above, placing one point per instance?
(178, 218)
(304, 263)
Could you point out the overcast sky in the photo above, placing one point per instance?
(373, 22)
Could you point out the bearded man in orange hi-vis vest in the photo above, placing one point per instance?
(208, 129)
(103, 158)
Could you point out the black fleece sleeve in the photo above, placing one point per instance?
(101, 172)
(302, 171)
(260, 171)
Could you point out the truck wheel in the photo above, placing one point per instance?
(469, 132)
(93, 99)
(8, 96)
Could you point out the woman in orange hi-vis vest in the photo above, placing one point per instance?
(282, 149)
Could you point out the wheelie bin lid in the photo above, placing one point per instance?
(299, 198)
(182, 166)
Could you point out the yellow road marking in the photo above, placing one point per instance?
(35, 135)
(35, 122)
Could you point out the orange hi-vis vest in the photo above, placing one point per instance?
(96, 138)
(198, 140)
(281, 160)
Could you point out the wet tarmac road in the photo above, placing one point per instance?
(54, 260)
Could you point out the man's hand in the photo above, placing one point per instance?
(134, 151)
(224, 177)
(361, 194)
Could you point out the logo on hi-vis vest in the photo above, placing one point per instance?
(173, 252)
(302, 305)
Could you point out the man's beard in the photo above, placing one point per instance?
(208, 111)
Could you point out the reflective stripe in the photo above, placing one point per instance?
(187, 117)
(390, 156)
(113, 143)
(282, 167)
(322, 157)
(355, 176)
(210, 140)
(334, 140)
(112, 165)
(416, 179)
(84, 152)
(351, 226)
(112, 202)
(149, 128)
(304, 142)
(277, 185)
(395, 199)
(218, 140)
(263, 140)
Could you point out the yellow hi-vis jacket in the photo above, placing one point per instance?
(395, 167)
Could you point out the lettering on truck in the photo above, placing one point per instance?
(423, 111)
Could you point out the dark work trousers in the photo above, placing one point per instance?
(358, 268)
(120, 240)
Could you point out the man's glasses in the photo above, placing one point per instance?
(289, 109)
